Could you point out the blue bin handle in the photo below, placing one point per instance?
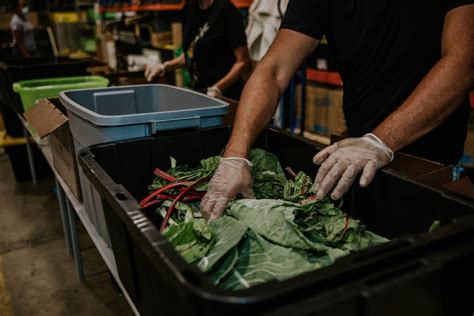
(172, 124)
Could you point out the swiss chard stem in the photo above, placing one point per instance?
(162, 190)
(164, 175)
(176, 200)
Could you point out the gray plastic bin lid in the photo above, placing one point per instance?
(127, 105)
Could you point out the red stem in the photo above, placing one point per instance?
(346, 226)
(161, 190)
(176, 200)
(164, 175)
(303, 188)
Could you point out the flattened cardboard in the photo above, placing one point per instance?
(463, 187)
(45, 118)
(48, 117)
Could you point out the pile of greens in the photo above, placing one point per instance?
(281, 234)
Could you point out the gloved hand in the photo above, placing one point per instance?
(214, 92)
(232, 177)
(344, 160)
(151, 71)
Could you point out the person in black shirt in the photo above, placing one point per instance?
(407, 68)
(215, 48)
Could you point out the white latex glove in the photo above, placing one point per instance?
(344, 160)
(151, 71)
(214, 92)
(232, 177)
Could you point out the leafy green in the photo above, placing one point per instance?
(262, 261)
(273, 219)
(225, 265)
(269, 179)
(435, 225)
(298, 189)
(192, 239)
(228, 232)
(281, 234)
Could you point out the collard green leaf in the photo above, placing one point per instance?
(191, 239)
(228, 233)
(273, 219)
(268, 175)
(225, 265)
(261, 261)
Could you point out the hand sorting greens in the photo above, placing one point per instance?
(283, 232)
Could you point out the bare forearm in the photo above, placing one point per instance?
(176, 63)
(257, 105)
(435, 98)
(443, 88)
(233, 75)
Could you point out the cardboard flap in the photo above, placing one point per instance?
(463, 187)
(45, 118)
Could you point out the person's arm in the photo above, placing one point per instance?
(436, 97)
(242, 63)
(20, 44)
(175, 63)
(257, 105)
(265, 87)
(443, 88)
(151, 71)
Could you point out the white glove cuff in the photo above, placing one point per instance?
(215, 89)
(372, 138)
(239, 158)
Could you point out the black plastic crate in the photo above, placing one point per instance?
(159, 280)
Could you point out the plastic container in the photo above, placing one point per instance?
(119, 113)
(158, 279)
(32, 90)
(17, 69)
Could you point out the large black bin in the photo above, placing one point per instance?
(159, 281)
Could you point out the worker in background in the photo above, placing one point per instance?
(215, 49)
(24, 43)
(407, 69)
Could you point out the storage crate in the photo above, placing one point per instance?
(31, 91)
(158, 279)
(119, 113)
(17, 69)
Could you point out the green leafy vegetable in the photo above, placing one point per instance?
(228, 232)
(281, 234)
(261, 261)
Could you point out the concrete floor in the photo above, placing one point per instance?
(37, 275)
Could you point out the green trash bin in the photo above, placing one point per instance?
(32, 90)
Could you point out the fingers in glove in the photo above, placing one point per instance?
(368, 173)
(322, 172)
(330, 180)
(219, 208)
(207, 205)
(324, 154)
(344, 183)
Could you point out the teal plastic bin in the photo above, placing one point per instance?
(121, 113)
(32, 90)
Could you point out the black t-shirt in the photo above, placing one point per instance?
(209, 39)
(384, 48)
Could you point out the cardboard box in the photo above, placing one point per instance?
(324, 114)
(177, 34)
(48, 117)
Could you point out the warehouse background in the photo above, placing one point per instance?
(114, 40)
